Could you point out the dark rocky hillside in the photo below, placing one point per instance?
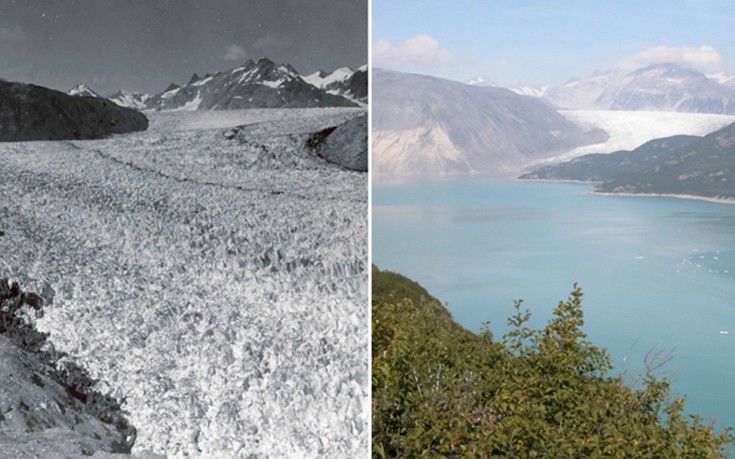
(48, 408)
(424, 125)
(30, 112)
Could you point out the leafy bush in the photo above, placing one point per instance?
(442, 391)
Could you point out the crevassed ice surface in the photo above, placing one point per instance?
(219, 285)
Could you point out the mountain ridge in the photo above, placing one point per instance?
(696, 166)
(258, 83)
(424, 125)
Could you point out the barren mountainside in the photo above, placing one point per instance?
(431, 126)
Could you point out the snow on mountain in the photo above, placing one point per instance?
(530, 90)
(344, 82)
(258, 83)
(582, 94)
(480, 80)
(668, 87)
(322, 79)
(723, 78)
(82, 90)
(134, 100)
(354, 87)
(316, 78)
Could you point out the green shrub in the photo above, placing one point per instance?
(442, 391)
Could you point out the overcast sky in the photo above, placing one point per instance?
(549, 42)
(143, 45)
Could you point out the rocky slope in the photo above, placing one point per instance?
(47, 405)
(30, 112)
(430, 126)
(347, 144)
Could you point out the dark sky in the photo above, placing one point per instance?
(143, 45)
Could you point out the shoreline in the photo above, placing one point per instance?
(717, 200)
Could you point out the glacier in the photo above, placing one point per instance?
(630, 129)
(217, 283)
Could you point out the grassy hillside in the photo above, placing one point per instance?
(440, 390)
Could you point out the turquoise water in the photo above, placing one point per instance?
(658, 273)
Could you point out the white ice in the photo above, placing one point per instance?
(220, 284)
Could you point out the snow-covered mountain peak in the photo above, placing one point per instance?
(134, 100)
(267, 72)
(315, 78)
(322, 79)
(83, 90)
(723, 78)
(530, 90)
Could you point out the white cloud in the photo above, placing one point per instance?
(421, 50)
(706, 59)
(235, 53)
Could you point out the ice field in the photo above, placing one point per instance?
(214, 277)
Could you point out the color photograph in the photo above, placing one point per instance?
(553, 233)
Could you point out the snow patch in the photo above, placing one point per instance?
(273, 84)
(203, 81)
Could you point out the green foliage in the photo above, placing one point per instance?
(442, 391)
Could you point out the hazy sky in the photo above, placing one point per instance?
(549, 42)
(143, 45)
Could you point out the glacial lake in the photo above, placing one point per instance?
(658, 274)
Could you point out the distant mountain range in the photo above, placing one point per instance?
(431, 126)
(658, 87)
(259, 83)
(680, 165)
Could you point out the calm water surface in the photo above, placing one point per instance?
(657, 273)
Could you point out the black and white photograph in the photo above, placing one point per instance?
(184, 229)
